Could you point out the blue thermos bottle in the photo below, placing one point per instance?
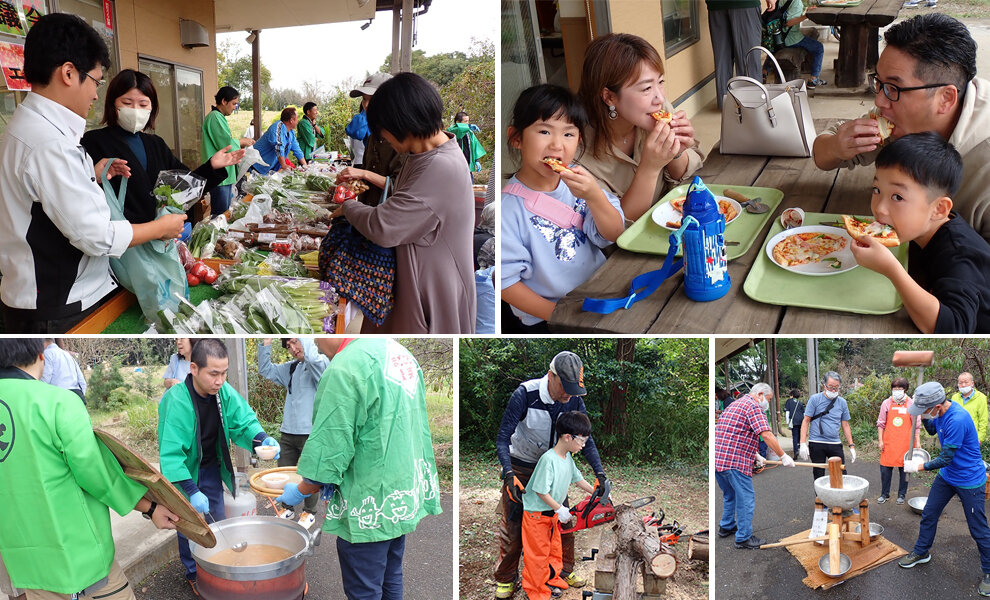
(706, 272)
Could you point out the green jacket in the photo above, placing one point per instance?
(460, 130)
(56, 482)
(217, 136)
(371, 438)
(178, 432)
(977, 408)
(308, 136)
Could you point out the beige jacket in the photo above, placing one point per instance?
(971, 137)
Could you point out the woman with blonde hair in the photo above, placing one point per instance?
(633, 153)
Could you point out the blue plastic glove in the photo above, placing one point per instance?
(270, 441)
(200, 502)
(291, 495)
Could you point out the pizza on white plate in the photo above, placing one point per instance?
(808, 247)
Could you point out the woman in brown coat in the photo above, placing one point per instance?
(428, 219)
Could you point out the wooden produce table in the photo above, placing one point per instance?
(857, 27)
(668, 310)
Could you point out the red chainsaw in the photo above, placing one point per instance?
(597, 509)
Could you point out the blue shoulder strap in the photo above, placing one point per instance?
(647, 283)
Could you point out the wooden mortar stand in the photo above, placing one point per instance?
(839, 522)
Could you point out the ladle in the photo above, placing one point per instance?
(238, 547)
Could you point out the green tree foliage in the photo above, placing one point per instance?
(235, 70)
(441, 69)
(104, 379)
(666, 393)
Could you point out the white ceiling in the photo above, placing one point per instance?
(241, 15)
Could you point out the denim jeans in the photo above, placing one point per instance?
(211, 485)
(372, 570)
(817, 51)
(976, 517)
(220, 198)
(738, 502)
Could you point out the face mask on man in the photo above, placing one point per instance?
(131, 119)
(764, 405)
(831, 395)
(965, 389)
(898, 395)
(926, 416)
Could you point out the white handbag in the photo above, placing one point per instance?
(766, 120)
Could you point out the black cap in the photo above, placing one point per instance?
(568, 367)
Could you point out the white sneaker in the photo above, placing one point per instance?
(910, 4)
(306, 519)
(287, 514)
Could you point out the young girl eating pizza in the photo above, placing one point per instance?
(555, 217)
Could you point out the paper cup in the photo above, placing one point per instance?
(266, 452)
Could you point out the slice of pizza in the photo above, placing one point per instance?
(810, 247)
(884, 233)
(884, 125)
(556, 164)
(678, 203)
(663, 116)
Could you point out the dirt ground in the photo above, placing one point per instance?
(960, 9)
(683, 498)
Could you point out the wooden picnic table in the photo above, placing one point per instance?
(858, 27)
(668, 310)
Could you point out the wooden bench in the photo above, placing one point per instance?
(858, 28)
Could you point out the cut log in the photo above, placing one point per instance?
(636, 547)
(698, 546)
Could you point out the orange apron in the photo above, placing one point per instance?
(897, 434)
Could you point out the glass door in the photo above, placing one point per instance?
(161, 76)
(189, 90)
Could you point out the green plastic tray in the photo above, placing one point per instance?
(857, 291)
(646, 237)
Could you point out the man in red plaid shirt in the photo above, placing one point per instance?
(737, 435)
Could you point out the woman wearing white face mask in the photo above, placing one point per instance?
(131, 107)
(894, 430)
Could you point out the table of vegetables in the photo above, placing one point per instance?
(266, 249)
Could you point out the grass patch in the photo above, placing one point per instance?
(440, 410)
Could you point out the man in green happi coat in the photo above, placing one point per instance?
(371, 454)
(57, 482)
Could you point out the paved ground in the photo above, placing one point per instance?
(784, 506)
(427, 565)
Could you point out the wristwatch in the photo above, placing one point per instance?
(151, 510)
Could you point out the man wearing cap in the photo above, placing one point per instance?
(381, 161)
(826, 412)
(975, 403)
(738, 431)
(528, 431)
(961, 472)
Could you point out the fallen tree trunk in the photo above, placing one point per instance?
(637, 550)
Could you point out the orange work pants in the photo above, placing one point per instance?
(542, 555)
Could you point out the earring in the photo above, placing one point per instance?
(612, 114)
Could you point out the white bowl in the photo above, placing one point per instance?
(276, 481)
(266, 452)
(793, 217)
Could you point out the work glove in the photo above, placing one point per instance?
(912, 465)
(291, 495)
(852, 453)
(787, 461)
(515, 487)
(803, 453)
(760, 461)
(600, 479)
(564, 514)
(200, 502)
(270, 441)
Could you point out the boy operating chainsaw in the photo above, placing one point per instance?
(543, 506)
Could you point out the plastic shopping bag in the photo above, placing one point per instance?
(151, 271)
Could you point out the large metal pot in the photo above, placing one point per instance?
(282, 580)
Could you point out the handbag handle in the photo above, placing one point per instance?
(780, 73)
(739, 105)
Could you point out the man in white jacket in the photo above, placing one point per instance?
(925, 81)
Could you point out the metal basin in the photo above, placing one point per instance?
(876, 529)
(917, 503)
(845, 563)
(281, 580)
(854, 489)
(918, 453)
